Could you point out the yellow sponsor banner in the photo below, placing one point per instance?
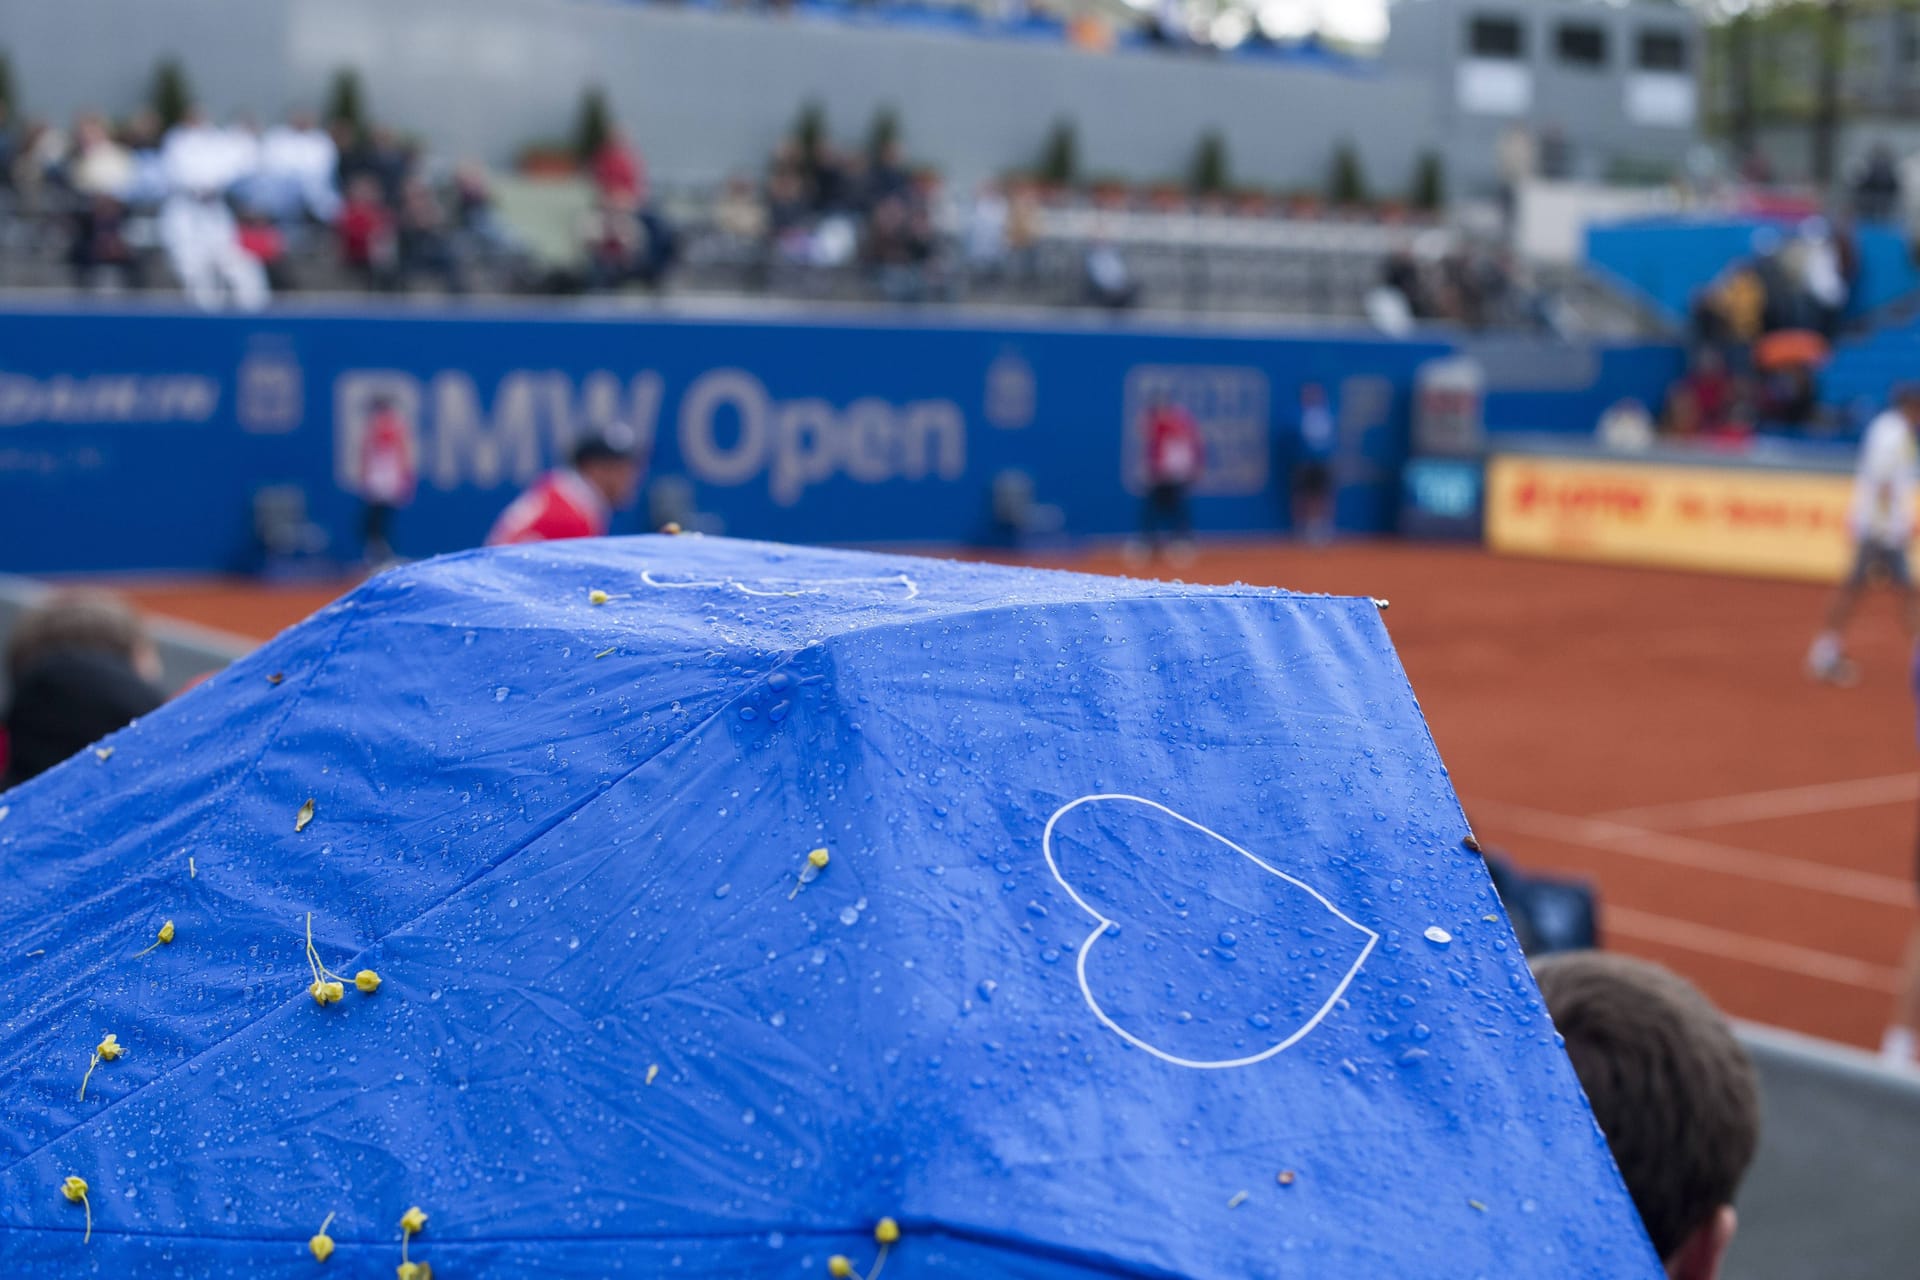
(1781, 524)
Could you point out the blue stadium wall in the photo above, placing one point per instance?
(137, 439)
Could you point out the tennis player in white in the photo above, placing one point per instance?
(1883, 526)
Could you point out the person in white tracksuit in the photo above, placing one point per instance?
(197, 228)
(1883, 526)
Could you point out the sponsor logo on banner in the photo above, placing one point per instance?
(1729, 519)
(1228, 404)
(102, 398)
(270, 399)
(1011, 392)
(731, 431)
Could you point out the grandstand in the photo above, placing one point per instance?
(1582, 391)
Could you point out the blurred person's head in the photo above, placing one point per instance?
(470, 178)
(1313, 395)
(300, 119)
(1672, 1090)
(610, 462)
(86, 622)
(67, 701)
(89, 131)
(1907, 397)
(143, 129)
(363, 189)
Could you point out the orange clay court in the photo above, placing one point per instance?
(1648, 730)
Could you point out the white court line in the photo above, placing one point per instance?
(1782, 802)
(1762, 952)
(1685, 851)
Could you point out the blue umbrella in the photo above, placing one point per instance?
(676, 906)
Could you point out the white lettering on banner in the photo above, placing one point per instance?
(731, 431)
(105, 398)
(699, 447)
(535, 419)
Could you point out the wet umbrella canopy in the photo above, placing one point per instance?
(1143, 943)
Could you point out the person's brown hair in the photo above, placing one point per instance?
(90, 621)
(1674, 1092)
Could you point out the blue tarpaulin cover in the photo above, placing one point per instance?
(1146, 943)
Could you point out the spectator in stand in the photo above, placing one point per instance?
(620, 177)
(1402, 275)
(202, 240)
(1024, 226)
(1739, 301)
(1175, 457)
(9, 145)
(616, 244)
(986, 238)
(37, 157)
(380, 154)
(1876, 193)
(82, 666)
(424, 244)
(892, 252)
(890, 175)
(299, 166)
(366, 233)
(1711, 393)
(827, 180)
(263, 240)
(1107, 281)
(474, 214)
(741, 214)
(100, 249)
(745, 223)
(98, 165)
(142, 137)
(619, 171)
(1674, 1093)
(1822, 278)
(578, 501)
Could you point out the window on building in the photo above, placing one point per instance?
(1663, 51)
(1496, 37)
(1582, 45)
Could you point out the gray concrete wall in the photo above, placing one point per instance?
(710, 93)
(1833, 1190)
(1586, 105)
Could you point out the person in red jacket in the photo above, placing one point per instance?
(1175, 457)
(577, 501)
(389, 475)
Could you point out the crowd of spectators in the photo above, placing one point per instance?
(1475, 286)
(820, 205)
(1760, 331)
(231, 208)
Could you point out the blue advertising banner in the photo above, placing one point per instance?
(140, 439)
